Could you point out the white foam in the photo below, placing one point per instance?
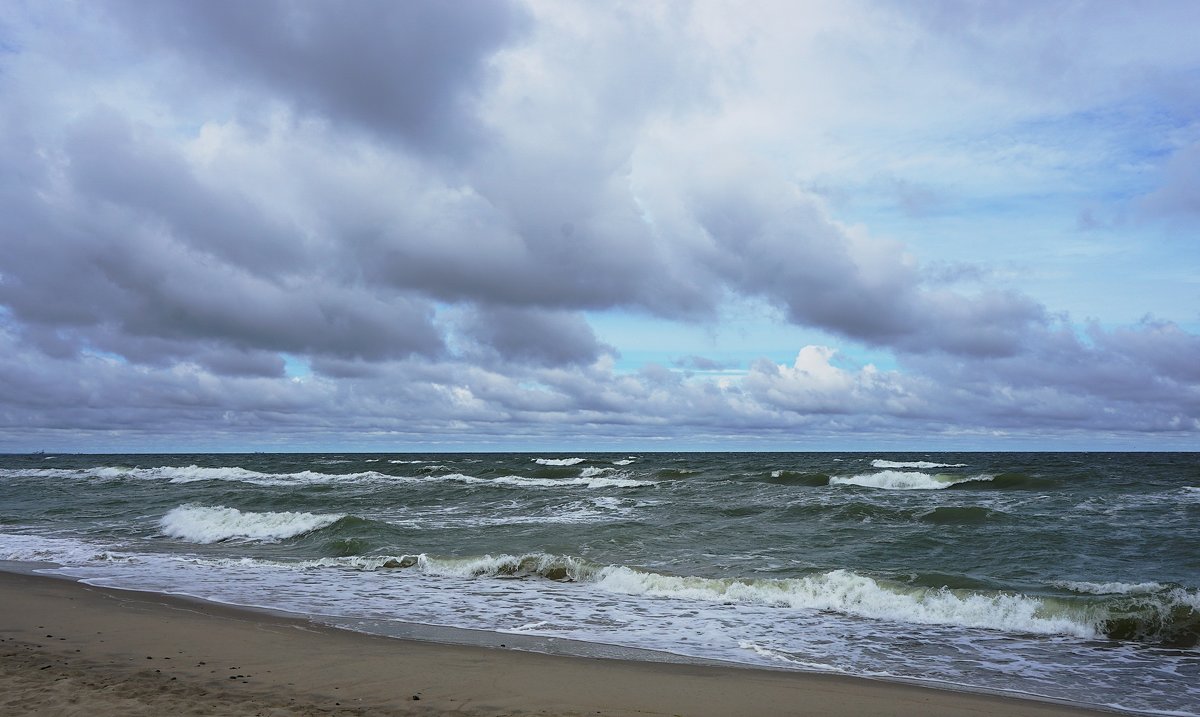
(849, 593)
(840, 591)
(623, 462)
(205, 524)
(558, 461)
(62, 472)
(528, 627)
(353, 562)
(904, 480)
(1111, 588)
(489, 565)
(586, 481)
(913, 464)
(778, 656)
(67, 551)
(193, 473)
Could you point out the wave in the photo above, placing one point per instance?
(813, 479)
(586, 480)
(840, 591)
(672, 473)
(194, 473)
(46, 549)
(589, 477)
(206, 524)
(1170, 618)
(905, 480)
(1111, 588)
(878, 463)
(558, 461)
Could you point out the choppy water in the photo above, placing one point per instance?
(1070, 576)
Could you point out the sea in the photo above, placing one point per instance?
(1067, 576)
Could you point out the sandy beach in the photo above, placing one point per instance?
(72, 649)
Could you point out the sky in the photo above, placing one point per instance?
(627, 226)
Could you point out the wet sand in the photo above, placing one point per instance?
(70, 649)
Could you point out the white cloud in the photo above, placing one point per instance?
(429, 241)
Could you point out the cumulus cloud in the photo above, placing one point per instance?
(400, 70)
(419, 203)
(536, 336)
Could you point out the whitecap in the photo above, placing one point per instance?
(585, 481)
(558, 461)
(905, 480)
(913, 464)
(1110, 588)
(207, 524)
(849, 593)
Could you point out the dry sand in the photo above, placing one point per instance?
(71, 649)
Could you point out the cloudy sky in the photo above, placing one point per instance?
(617, 226)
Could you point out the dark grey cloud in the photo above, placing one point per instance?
(347, 188)
(573, 232)
(1067, 386)
(406, 70)
(780, 246)
(242, 363)
(537, 336)
(119, 245)
(117, 167)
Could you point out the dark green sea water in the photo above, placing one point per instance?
(1071, 576)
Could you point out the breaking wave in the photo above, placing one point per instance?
(206, 524)
(1168, 617)
(586, 479)
(193, 474)
(589, 477)
(1113, 588)
(878, 463)
(558, 461)
(905, 480)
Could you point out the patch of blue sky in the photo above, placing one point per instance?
(295, 366)
(746, 331)
(1049, 206)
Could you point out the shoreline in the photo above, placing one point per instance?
(72, 648)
